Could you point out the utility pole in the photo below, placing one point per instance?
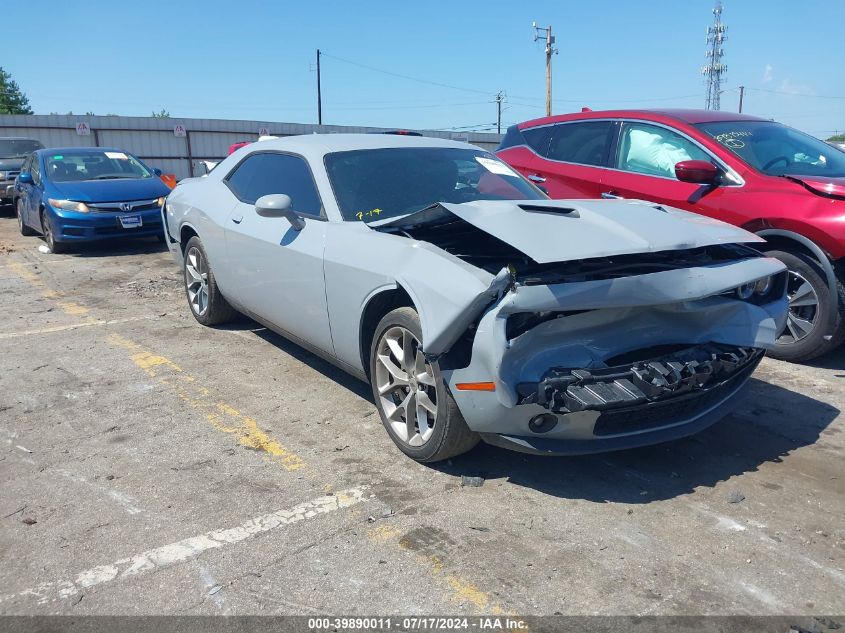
(550, 40)
(741, 95)
(319, 93)
(499, 99)
(715, 69)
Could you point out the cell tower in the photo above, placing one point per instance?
(715, 70)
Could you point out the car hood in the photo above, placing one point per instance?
(11, 164)
(116, 190)
(550, 231)
(821, 185)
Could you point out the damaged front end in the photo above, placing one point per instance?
(650, 342)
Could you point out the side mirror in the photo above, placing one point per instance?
(697, 171)
(278, 205)
(157, 171)
(25, 178)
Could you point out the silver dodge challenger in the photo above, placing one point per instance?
(476, 307)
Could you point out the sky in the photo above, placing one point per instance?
(433, 65)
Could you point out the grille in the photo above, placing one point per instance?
(116, 207)
(663, 413)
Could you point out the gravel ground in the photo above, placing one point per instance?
(150, 465)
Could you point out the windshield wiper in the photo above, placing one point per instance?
(110, 177)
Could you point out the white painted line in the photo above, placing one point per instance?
(189, 548)
(73, 326)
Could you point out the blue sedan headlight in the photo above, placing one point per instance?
(68, 205)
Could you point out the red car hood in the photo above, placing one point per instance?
(821, 185)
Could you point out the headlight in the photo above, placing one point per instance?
(160, 202)
(3, 175)
(745, 291)
(763, 286)
(68, 205)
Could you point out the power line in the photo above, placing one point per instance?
(408, 77)
(796, 94)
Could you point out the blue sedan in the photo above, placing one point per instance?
(79, 195)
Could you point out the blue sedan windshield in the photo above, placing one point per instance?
(93, 165)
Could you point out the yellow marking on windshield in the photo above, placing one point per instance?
(361, 214)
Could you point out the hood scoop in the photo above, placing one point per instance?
(562, 211)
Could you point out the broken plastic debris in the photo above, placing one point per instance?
(473, 482)
(43, 249)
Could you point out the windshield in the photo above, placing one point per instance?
(376, 184)
(18, 147)
(777, 150)
(93, 165)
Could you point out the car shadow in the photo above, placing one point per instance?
(834, 359)
(771, 423)
(349, 382)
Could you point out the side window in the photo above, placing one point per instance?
(654, 150)
(36, 171)
(240, 179)
(263, 174)
(585, 143)
(538, 139)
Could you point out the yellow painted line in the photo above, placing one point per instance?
(70, 308)
(461, 590)
(221, 415)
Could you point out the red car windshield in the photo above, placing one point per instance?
(776, 149)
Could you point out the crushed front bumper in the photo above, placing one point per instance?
(647, 386)
(618, 363)
(639, 403)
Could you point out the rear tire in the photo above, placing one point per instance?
(809, 317)
(207, 304)
(406, 385)
(25, 230)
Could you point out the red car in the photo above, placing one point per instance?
(782, 184)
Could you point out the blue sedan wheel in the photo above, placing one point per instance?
(49, 235)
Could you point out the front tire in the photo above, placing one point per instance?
(208, 306)
(809, 317)
(415, 406)
(22, 226)
(49, 236)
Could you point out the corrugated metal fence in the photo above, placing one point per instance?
(160, 144)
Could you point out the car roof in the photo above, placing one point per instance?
(690, 116)
(51, 150)
(327, 143)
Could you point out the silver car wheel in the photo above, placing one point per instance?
(196, 280)
(406, 386)
(803, 309)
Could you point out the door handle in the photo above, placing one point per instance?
(610, 195)
(536, 178)
(237, 218)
